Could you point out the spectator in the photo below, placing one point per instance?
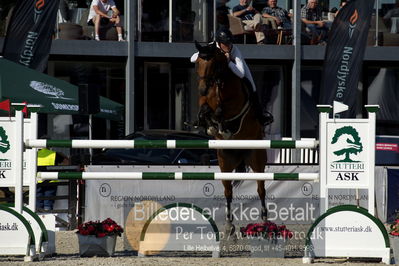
(394, 12)
(250, 17)
(47, 157)
(332, 14)
(314, 25)
(99, 16)
(279, 16)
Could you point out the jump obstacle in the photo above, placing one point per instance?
(335, 173)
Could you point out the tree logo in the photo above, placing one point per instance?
(350, 143)
(4, 143)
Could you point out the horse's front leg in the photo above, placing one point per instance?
(205, 119)
(222, 130)
(228, 193)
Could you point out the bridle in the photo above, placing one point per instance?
(211, 80)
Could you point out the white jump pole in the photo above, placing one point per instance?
(372, 109)
(173, 144)
(31, 164)
(18, 155)
(323, 116)
(177, 176)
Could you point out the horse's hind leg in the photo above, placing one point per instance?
(228, 193)
(262, 196)
(257, 162)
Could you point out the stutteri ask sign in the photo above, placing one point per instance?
(348, 153)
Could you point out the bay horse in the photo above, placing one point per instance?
(228, 114)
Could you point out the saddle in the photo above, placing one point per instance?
(213, 122)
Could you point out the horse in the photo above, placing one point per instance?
(228, 114)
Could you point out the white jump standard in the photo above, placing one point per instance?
(347, 160)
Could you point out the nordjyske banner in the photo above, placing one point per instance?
(344, 55)
(29, 34)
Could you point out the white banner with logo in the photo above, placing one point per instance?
(288, 202)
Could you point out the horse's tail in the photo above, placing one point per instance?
(241, 168)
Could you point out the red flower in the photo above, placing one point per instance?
(111, 228)
(101, 234)
(107, 227)
(286, 234)
(91, 228)
(84, 232)
(266, 229)
(250, 227)
(394, 228)
(273, 227)
(250, 233)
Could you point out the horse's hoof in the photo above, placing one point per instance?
(229, 229)
(225, 134)
(264, 215)
(211, 131)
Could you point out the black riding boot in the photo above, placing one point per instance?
(262, 118)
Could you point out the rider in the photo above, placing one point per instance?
(238, 66)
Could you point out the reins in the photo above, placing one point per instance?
(244, 110)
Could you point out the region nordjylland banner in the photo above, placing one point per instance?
(344, 55)
(29, 34)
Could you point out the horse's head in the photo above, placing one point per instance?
(210, 65)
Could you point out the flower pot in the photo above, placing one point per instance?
(267, 248)
(394, 241)
(90, 245)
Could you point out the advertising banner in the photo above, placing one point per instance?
(387, 150)
(346, 45)
(29, 34)
(132, 202)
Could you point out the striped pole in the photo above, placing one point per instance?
(173, 144)
(176, 176)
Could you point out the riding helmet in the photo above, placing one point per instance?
(224, 36)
